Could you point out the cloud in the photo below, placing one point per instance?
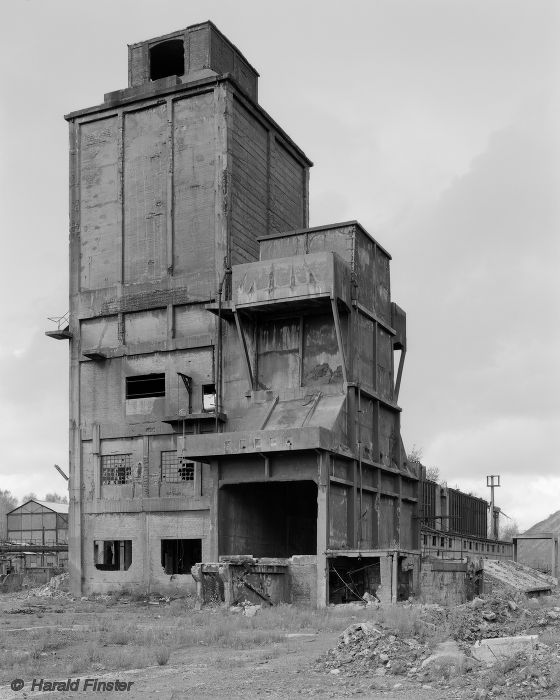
(477, 275)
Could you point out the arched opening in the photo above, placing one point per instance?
(167, 58)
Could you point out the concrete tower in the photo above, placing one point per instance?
(232, 383)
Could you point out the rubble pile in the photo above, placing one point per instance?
(474, 657)
(367, 647)
(492, 616)
(56, 587)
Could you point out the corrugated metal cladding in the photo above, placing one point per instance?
(468, 515)
(428, 512)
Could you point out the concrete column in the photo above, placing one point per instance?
(385, 574)
(322, 529)
(395, 578)
(213, 540)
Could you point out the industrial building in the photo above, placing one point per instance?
(234, 374)
(37, 537)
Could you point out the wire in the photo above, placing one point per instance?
(348, 587)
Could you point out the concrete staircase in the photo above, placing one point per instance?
(518, 576)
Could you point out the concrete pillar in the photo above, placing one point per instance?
(385, 573)
(322, 530)
(213, 534)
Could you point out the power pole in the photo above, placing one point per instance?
(492, 482)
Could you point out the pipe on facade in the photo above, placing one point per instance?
(218, 409)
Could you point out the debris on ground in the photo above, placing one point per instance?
(57, 586)
(246, 608)
(493, 645)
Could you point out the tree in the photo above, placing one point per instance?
(510, 531)
(56, 498)
(29, 497)
(415, 455)
(432, 474)
(7, 503)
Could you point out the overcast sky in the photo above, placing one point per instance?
(432, 122)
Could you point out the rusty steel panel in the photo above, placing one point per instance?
(468, 514)
(337, 240)
(366, 352)
(281, 279)
(364, 266)
(99, 332)
(388, 436)
(145, 326)
(388, 536)
(368, 523)
(408, 526)
(278, 353)
(322, 363)
(384, 364)
(99, 204)
(249, 184)
(194, 196)
(338, 516)
(382, 286)
(366, 432)
(287, 190)
(428, 505)
(145, 192)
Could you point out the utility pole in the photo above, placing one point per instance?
(492, 482)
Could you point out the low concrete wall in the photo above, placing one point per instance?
(449, 582)
(11, 582)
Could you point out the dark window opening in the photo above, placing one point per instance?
(450, 543)
(178, 556)
(112, 555)
(209, 397)
(434, 541)
(167, 58)
(116, 469)
(175, 469)
(145, 385)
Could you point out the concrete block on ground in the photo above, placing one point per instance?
(492, 650)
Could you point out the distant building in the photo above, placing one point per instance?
(38, 524)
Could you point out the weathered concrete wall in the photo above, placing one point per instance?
(145, 530)
(538, 554)
(303, 580)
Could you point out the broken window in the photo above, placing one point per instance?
(209, 397)
(178, 556)
(176, 469)
(145, 385)
(167, 58)
(116, 469)
(112, 555)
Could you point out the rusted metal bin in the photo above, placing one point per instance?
(232, 580)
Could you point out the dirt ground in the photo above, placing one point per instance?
(170, 650)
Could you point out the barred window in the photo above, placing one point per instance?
(116, 469)
(175, 469)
